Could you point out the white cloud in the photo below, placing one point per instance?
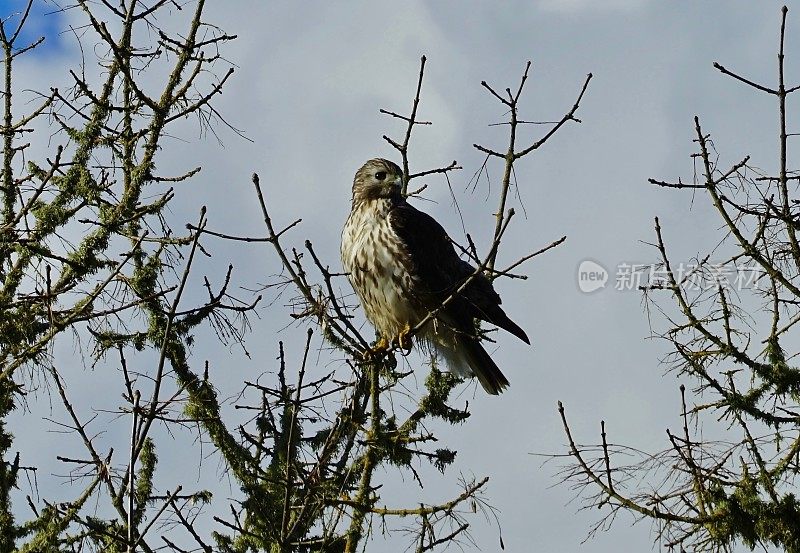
(573, 6)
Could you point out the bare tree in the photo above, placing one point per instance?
(325, 466)
(728, 474)
(88, 254)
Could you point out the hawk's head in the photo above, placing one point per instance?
(377, 178)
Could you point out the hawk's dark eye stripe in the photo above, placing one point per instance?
(380, 175)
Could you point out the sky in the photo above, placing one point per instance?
(309, 81)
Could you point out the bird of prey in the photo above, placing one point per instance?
(403, 267)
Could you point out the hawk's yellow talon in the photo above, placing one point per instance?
(381, 346)
(404, 340)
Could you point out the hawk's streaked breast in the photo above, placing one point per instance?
(373, 256)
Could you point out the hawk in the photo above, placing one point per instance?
(403, 266)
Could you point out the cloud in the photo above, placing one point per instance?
(45, 20)
(574, 6)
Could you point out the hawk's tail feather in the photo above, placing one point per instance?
(506, 323)
(483, 366)
(499, 318)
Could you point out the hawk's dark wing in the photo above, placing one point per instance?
(439, 271)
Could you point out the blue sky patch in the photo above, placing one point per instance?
(45, 20)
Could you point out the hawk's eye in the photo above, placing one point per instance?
(380, 175)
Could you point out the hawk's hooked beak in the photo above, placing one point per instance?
(392, 187)
(386, 188)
